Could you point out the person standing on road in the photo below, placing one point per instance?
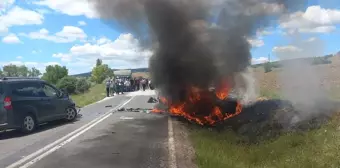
(132, 85)
(121, 85)
(118, 85)
(108, 87)
(146, 83)
(143, 84)
(150, 85)
(127, 85)
(137, 83)
(112, 86)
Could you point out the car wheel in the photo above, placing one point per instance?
(28, 124)
(71, 114)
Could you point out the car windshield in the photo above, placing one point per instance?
(49, 91)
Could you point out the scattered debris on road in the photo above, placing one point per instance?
(152, 100)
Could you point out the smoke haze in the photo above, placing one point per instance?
(301, 81)
(200, 43)
(196, 42)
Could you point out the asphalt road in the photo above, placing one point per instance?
(119, 139)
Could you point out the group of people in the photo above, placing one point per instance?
(119, 85)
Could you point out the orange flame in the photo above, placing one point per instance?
(156, 110)
(163, 100)
(222, 91)
(196, 97)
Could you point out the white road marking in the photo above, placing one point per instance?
(171, 144)
(126, 118)
(43, 152)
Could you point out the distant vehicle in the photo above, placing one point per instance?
(27, 102)
(122, 73)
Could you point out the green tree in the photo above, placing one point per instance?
(10, 70)
(100, 73)
(33, 72)
(99, 62)
(1, 73)
(82, 85)
(68, 83)
(23, 71)
(54, 73)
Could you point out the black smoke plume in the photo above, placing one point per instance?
(194, 42)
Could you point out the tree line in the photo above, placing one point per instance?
(59, 76)
(19, 71)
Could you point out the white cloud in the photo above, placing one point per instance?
(17, 16)
(319, 29)
(124, 52)
(36, 51)
(259, 60)
(11, 39)
(70, 7)
(66, 35)
(51, 63)
(256, 42)
(81, 23)
(103, 40)
(3, 29)
(72, 32)
(284, 49)
(19, 57)
(63, 57)
(314, 20)
(300, 48)
(5, 5)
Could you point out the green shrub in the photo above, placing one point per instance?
(68, 83)
(82, 85)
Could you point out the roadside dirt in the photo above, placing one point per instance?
(185, 153)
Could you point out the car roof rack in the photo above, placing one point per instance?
(19, 78)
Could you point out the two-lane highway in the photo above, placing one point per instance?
(102, 137)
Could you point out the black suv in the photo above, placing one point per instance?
(27, 102)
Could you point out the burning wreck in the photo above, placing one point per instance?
(205, 107)
(197, 44)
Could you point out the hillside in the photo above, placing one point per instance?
(137, 70)
(312, 60)
(329, 77)
(276, 64)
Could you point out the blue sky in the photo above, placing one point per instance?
(68, 32)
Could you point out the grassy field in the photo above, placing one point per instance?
(95, 94)
(314, 149)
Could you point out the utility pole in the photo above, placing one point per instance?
(269, 57)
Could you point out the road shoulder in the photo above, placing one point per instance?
(185, 153)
